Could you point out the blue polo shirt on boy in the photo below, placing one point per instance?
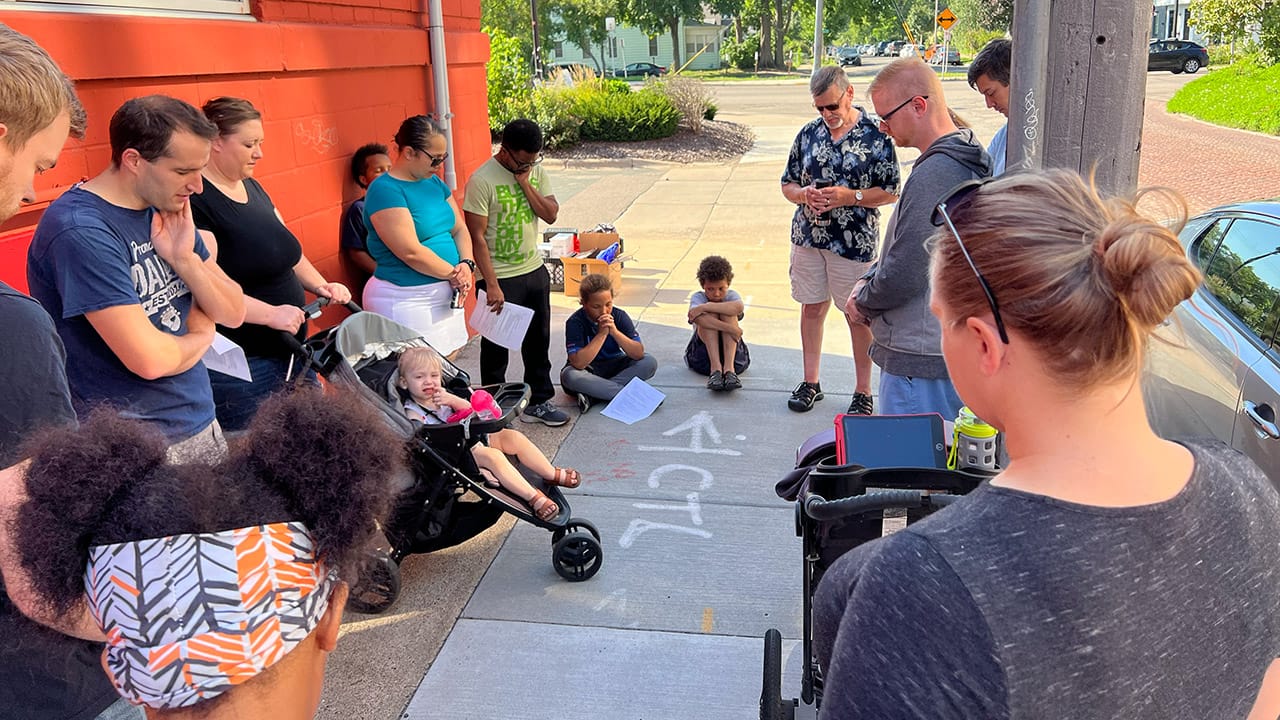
(89, 255)
(579, 329)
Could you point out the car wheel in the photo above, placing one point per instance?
(1191, 65)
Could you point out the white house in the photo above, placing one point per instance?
(701, 41)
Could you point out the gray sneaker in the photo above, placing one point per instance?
(544, 413)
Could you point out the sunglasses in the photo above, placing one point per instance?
(955, 199)
(832, 107)
(885, 117)
(436, 160)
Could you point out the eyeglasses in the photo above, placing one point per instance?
(956, 198)
(522, 165)
(885, 117)
(436, 160)
(833, 106)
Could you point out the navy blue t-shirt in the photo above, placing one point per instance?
(89, 255)
(578, 331)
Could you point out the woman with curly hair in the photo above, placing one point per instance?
(1106, 572)
(219, 588)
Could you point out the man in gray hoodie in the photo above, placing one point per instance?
(894, 295)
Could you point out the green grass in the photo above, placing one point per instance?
(1242, 96)
(731, 75)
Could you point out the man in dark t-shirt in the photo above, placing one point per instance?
(44, 675)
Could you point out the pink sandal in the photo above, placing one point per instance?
(566, 477)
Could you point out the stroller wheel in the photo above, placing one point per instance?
(577, 556)
(772, 706)
(378, 587)
(574, 526)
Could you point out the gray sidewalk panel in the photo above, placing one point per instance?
(522, 671)
(684, 567)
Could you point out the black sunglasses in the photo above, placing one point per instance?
(956, 198)
(436, 160)
(885, 117)
(833, 106)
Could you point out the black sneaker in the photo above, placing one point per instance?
(544, 413)
(804, 396)
(862, 404)
(584, 403)
(731, 381)
(715, 381)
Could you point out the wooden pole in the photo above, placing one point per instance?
(1091, 119)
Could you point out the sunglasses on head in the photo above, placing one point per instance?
(956, 199)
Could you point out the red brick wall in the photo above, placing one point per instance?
(327, 76)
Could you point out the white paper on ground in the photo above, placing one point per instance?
(227, 358)
(636, 401)
(507, 328)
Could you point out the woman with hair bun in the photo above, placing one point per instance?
(257, 250)
(419, 240)
(219, 588)
(1106, 572)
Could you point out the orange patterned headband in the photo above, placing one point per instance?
(188, 617)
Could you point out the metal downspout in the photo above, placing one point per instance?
(432, 15)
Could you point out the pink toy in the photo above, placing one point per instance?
(485, 405)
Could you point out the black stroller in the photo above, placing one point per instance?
(839, 507)
(448, 500)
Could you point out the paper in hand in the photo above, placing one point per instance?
(636, 401)
(227, 358)
(507, 328)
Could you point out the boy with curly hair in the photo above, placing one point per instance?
(716, 348)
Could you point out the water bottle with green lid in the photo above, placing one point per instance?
(973, 443)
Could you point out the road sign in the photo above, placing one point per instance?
(946, 19)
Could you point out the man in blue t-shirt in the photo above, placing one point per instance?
(989, 75)
(132, 288)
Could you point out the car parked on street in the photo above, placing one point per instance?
(850, 57)
(1213, 369)
(934, 55)
(1176, 56)
(640, 70)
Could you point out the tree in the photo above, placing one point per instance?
(1226, 19)
(581, 22)
(654, 16)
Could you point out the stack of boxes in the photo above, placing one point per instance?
(570, 256)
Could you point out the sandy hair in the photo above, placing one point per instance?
(1082, 277)
(906, 77)
(418, 358)
(592, 284)
(229, 113)
(33, 90)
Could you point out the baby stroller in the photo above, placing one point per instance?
(839, 507)
(448, 501)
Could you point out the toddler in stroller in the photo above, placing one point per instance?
(421, 373)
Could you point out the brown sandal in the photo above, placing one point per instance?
(566, 477)
(543, 507)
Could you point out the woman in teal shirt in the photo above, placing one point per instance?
(419, 240)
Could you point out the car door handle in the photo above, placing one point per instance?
(1266, 428)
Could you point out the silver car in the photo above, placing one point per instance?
(1217, 373)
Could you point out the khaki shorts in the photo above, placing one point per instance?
(821, 275)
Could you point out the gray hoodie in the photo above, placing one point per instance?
(908, 340)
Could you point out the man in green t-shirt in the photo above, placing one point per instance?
(505, 197)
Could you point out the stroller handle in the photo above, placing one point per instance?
(311, 311)
(819, 508)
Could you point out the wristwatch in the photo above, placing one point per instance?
(857, 195)
(469, 263)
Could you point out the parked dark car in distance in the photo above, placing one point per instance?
(1176, 56)
(1213, 369)
(640, 69)
(850, 57)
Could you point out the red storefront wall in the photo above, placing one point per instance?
(327, 76)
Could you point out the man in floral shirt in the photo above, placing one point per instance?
(840, 170)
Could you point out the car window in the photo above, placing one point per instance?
(1244, 274)
(1202, 250)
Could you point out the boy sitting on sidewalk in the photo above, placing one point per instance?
(716, 348)
(604, 348)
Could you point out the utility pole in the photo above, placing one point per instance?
(1079, 103)
(537, 47)
(817, 35)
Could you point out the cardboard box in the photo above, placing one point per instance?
(577, 268)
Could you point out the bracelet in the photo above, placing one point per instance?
(469, 263)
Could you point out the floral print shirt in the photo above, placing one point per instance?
(863, 158)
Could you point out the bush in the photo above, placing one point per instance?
(710, 112)
(509, 79)
(688, 95)
(615, 86)
(553, 111)
(1241, 95)
(644, 115)
(740, 55)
